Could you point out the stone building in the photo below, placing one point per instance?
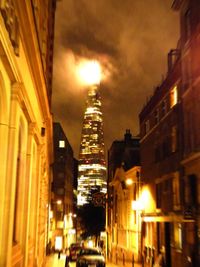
(123, 222)
(26, 47)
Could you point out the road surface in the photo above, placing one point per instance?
(53, 261)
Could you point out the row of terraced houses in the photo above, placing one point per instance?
(154, 201)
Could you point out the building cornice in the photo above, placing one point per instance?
(31, 46)
(176, 4)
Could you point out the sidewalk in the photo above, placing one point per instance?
(53, 261)
(120, 264)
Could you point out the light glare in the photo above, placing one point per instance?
(89, 72)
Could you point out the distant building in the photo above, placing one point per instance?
(92, 165)
(123, 225)
(62, 196)
(26, 38)
(124, 153)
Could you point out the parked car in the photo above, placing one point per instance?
(74, 250)
(90, 257)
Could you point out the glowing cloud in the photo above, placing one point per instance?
(89, 72)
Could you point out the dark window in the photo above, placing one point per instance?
(157, 154)
(158, 196)
(156, 116)
(163, 108)
(191, 190)
(187, 24)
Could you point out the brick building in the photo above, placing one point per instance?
(169, 127)
(190, 97)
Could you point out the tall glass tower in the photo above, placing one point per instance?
(92, 166)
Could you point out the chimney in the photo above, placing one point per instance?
(127, 136)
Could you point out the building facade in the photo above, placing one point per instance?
(190, 95)
(169, 125)
(123, 221)
(92, 165)
(25, 129)
(160, 130)
(62, 216)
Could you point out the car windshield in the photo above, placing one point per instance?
(74, 248)
(90, 252)
(75, 245)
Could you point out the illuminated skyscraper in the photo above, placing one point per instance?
(92, 166)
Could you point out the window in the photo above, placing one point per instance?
(176, 193)
(61, 175)
(158, 196)
(61, 143)
(191, 190)
(174, 139)
(60, 191)
(157, 153)
(156, 116)
(146, 127)
(187, 24)
(163, 108)
(166, 147)
(178, 235)
(173, 97)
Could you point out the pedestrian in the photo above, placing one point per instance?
(159, 262)
(67, 261)
(59, 254)
(133, 260)
(67, 257)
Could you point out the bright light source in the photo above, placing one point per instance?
(90, 243)
(51, 214)
(129, 181)
(89, 72)
(72, 231)
(58, 243)
(59, 202)
(137, 205)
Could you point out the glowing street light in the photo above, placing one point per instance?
(129, 181)
(89, 72)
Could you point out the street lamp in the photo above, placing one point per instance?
(129, 181)
(59, 202)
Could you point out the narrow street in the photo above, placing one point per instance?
(53, 261)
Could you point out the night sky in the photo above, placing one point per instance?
(131, 39)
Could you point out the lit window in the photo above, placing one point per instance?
(61, 143)
(178, 235)
(173, 96)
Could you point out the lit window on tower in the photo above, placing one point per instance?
(92, 168)
(61, 143)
